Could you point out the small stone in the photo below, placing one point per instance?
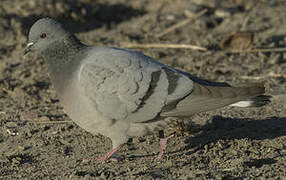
(21, 148)
(170, 17)
(237, 41)
(222, 13)
(64, 142)
(11, 124)
(102, 175)
(44, 118)
(206, 148)
(54, 132)
(28, 116)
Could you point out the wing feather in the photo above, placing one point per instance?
(117, 81)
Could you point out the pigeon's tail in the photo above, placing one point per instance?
(256, 101)
(205, 98)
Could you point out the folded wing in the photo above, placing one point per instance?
(127, 85)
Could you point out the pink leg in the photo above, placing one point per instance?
(163, 146)
(104, 158)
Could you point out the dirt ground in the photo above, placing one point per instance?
(229, 143)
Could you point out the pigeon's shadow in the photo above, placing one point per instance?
(226, 128)
(96, 15)
(223, 128)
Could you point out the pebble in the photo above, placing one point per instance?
(222, 13)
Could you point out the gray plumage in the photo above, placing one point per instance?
(122, 93)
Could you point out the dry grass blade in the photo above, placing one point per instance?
(182, 23)
(256, 50)
(271, 74)
(173, 46)
(195, 47)
(49, 122)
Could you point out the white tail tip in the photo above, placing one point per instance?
(242, 104)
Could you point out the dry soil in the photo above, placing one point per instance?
(230, 143)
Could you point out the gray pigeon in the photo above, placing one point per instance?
(121, 93)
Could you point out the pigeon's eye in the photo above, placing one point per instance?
(43, 35)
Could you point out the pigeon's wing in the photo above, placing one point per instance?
(128, 85)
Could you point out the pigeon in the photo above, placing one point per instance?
(122, 93)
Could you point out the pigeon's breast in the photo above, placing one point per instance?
(76, 105)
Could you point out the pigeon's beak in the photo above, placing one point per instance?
(28, 47)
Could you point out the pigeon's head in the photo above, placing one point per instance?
(44, 33)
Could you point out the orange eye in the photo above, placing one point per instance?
(44, 35)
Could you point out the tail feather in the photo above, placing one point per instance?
(206, 98)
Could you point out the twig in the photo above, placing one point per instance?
(271, 74)
(49, 122)
(182, 23)
(173, 46)
(189, 46)
(256, 50)
(245, 21)
(228, 169)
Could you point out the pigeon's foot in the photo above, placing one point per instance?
(107, 156)
(163, 146)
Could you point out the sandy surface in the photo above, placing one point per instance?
(230, 143)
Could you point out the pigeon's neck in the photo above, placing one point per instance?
(63, 53)
(63, 57)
